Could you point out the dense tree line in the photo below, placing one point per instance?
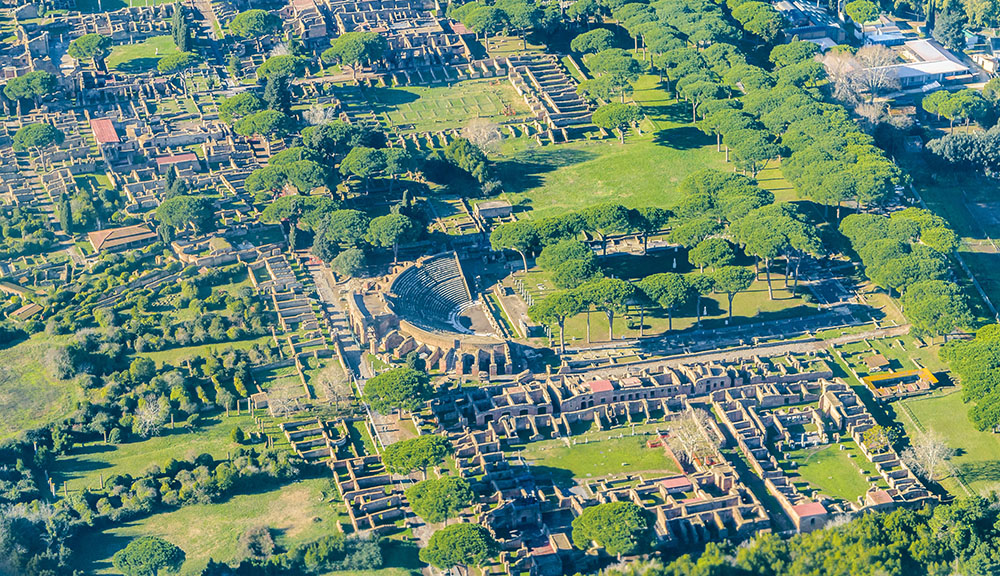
(907, 253)
(957, 538)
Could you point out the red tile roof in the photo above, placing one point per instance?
(677, 483)
(104, 131)
(177, 158)
(114, 237)
(809, 509)
(601, 386)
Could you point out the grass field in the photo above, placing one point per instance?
(436, 108)
(296, 513)
(833, 471)
(29, 397)
(554, 179)
(752, 305)
(85, 465)
(141, 57)
(977, 460)
(599, 456)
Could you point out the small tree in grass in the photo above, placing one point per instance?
(618, 527)
(460, 545)
(93, 47)
(519, 236)
(389, 231)
(617, 116)
(862, 12)
(702, 285)
(439, 499)
(556, 308)
(733, 280)
(610, 295)
(668, 289)
(418, 453)
(397, 389)
(355, 49)
(38, 135)
(148, 556)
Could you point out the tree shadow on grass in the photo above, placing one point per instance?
(137, 65)
(523, 172)
(681, 138)
(551, 475)
(981, 471)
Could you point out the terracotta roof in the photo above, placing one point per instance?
(677, 483)
(809, 509)
(104, 131)
(880, 497)
(601, 386)
(177, 158)
(112, 237)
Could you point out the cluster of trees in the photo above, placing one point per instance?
(715, 209)
(33, 86)
(950, 538)
(202, 480)
(180, 213)
(505, 16)
(603, 220)
(976, 362)
(356, 49)
(35, 136)
(668, 290)
(965, 106)
(24, 232)
(404, 388)
(180, 30)
(907, 252)
(618, 527)
(440, 499)
(94, 47)
(974, 152)
(330, 553)
(416, 454)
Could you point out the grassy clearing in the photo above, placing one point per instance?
(750, 306)
(84, 466)
(296, 513)
(555, 179)
(977, 460)
(141, 57)
(436, 108)
(834, 471)
(603, 454)
(29, 397)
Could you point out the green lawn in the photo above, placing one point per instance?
(599, 456)
(83, 467)
(752, 305)
(978, 453)
(437, 108)
(833, 471)
(554, 179)
(295, 513)
(29, 397)
(141, 57)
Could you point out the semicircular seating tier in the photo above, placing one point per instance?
(431, 292)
